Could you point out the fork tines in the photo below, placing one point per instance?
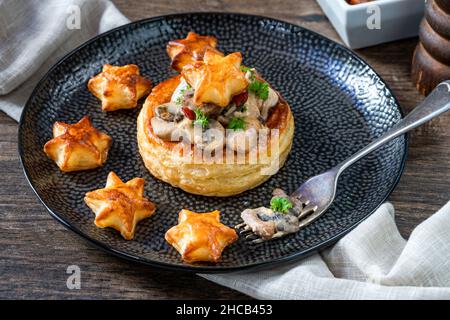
(245, 230)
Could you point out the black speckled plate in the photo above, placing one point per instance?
(339, 104)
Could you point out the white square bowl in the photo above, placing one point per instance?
(399, 19)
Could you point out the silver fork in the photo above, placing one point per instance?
(318, 192)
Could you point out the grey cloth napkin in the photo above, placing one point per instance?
(371, 262)
(35, 34)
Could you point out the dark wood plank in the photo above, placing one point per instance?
(36, 250)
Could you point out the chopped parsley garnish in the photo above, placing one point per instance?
(179, 100)
(244, 108)
(201, 119)
(279, 204)
(260, 89)
(252, 75)
(236, 123)
(188, 87)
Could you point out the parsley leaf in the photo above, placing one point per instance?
(236, 123)
(279, 204)
(179, 100)
(260, 88)
(245, 69)
(201, 119)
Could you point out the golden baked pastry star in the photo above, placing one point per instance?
(120, 205)
(189, 50)
(216, 79)
(78, 146)
(200, 236)
(119, 87)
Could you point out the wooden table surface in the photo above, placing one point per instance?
(35, 250)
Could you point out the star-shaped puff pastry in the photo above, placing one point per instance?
(78, 146)
(216, 79)
(119, 87)
(120, 205)
(200, 236)
(189, 50)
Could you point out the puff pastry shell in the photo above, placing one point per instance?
(120, 205)
(119, 87)
(77, 146)
(216, 79)
(200, 236)
(189, 50)
(209, 179)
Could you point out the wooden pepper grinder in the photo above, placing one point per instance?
(431, 61)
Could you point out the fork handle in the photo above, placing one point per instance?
(435, 104)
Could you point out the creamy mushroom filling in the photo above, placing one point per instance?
(244, 117)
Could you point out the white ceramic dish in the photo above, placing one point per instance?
(399, 19)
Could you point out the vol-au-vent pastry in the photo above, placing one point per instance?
(78, 146)
(187, 51)
(120, 205)
(119, 87)
(200, 236)
(216, 129)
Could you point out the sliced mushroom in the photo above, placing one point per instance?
(229, 111)
(242, 141)
(210, 139)
(261, 221)
(256, 107)
(185, 131)
(223, 120)
(164, 129)
(226, 115)
(251, 108)
(270, 102)
(251, 122)
(211, 110)
(169, 112)
(269, 224)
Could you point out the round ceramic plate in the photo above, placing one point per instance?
(339, 103)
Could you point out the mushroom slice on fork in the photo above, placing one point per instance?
(263, 224)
